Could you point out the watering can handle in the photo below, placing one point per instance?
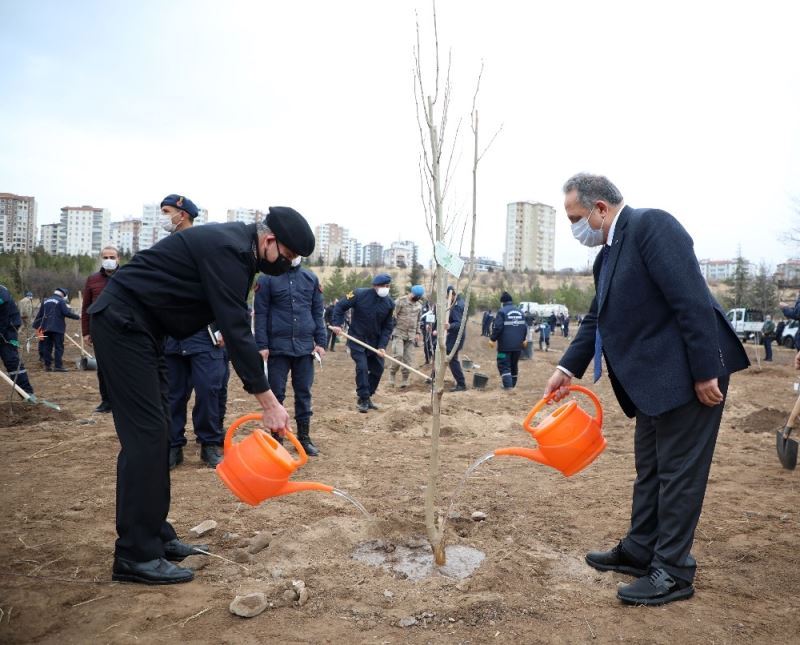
(256, 416)
(575, 388)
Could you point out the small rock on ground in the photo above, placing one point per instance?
(195, 562)
(259, 542)
(249, 605)
(302, 598)
(478, 516)
(408, 621)
(203, 528)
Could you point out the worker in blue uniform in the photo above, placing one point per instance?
(371, 323)
(510, 332)
(456, 303)
(289, 328)
(198, 363)
(178, 287)
(51, 319)
(10, 323)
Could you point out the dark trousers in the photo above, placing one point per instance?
(15, 368)
(768, 348)
(302, 369)
(428, 341)
(507, 365)
(131, 360)
(332, 338)
(102, 385)
(455, 369)
(205, 373)
(369, 368)
(673, 454)
(53, 344)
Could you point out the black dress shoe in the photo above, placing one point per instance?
(211, 454)
(657, 588)
(175, 550)
(152, 572)
(371, 405)
(617, 559)
(105, 406)
(363, 405)
(459, 388)
(61, 369)
(175, 456)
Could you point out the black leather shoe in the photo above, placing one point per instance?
(175, 550)
(459, 388)
(105, 406)
(61, 369)
(175, 456)
(371, 405)
(656, 588)
(211, 454)
(153, 572)
(363, 405)
(617, 559)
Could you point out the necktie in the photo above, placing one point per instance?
(598, 342)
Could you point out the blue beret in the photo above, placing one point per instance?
(184, 203)
(418, 290)
(382, 278)
(291, 229)
(64, 291)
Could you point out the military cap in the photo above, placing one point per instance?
(506, 297)
(184, 203)
(291, 229)
(381, 278)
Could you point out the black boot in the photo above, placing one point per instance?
(363, 405)
(305, 440)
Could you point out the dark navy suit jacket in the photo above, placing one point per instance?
(661, 328)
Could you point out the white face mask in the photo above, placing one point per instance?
(109, 265)
(383, 292)
(585, 234)
(296, 262)
(167, 224)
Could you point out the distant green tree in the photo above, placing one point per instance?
(339, 262)
(415, 277)
(740, 283)
(335, 286)
(763, 293)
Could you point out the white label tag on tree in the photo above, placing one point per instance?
(448, 260)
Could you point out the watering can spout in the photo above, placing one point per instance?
(298, 487)
(534, 454)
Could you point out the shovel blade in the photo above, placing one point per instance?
(787, 450)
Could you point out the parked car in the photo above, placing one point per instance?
(747, 323)
(789, 334)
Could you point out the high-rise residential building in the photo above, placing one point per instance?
(788, 273)
(331, 243)
(372, 255)
(83, 230)
(353, 252)
(49, 238)
(717, 270)
(17, 223)
(245, 215)
(125, 235)
(150, 227)
(530, 237)
(202, 217)
(400, 254)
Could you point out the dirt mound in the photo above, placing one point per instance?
(766, 420)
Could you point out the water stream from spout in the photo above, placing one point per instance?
(353, 501)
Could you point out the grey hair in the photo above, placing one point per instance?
(109, 247)
(591, 188)
(262, 228)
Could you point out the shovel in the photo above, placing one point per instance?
(30, 398)
(87, 361)
(787, 448)
(387, 357)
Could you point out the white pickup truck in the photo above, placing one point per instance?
(747, 323)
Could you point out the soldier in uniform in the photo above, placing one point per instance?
(198, 363)
(95, 283)
(176, 288)
(510, 333)
(406, 332)
(371, 323)
(10, 322)
(289, 327)
(26, 310)
(51, 319)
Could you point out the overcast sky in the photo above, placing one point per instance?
(687, 106)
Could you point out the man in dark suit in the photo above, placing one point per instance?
(669, 352)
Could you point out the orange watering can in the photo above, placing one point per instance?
(569, 439)
(259, 467)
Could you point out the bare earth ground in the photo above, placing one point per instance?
(57, 534)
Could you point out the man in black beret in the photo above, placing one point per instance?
(177, 287)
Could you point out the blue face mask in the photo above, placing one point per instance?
(585, 234)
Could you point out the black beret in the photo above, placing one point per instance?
(291, 229)
(184, 203)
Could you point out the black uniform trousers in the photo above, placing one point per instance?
(53, 349)
(673, 454)
(507, 365)
(9, 354)
(302, 369)
(102, 386)
(206, 373)
(131, 359)
(369, 369)
(456, 371)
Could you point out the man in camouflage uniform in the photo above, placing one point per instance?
(406, 331)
